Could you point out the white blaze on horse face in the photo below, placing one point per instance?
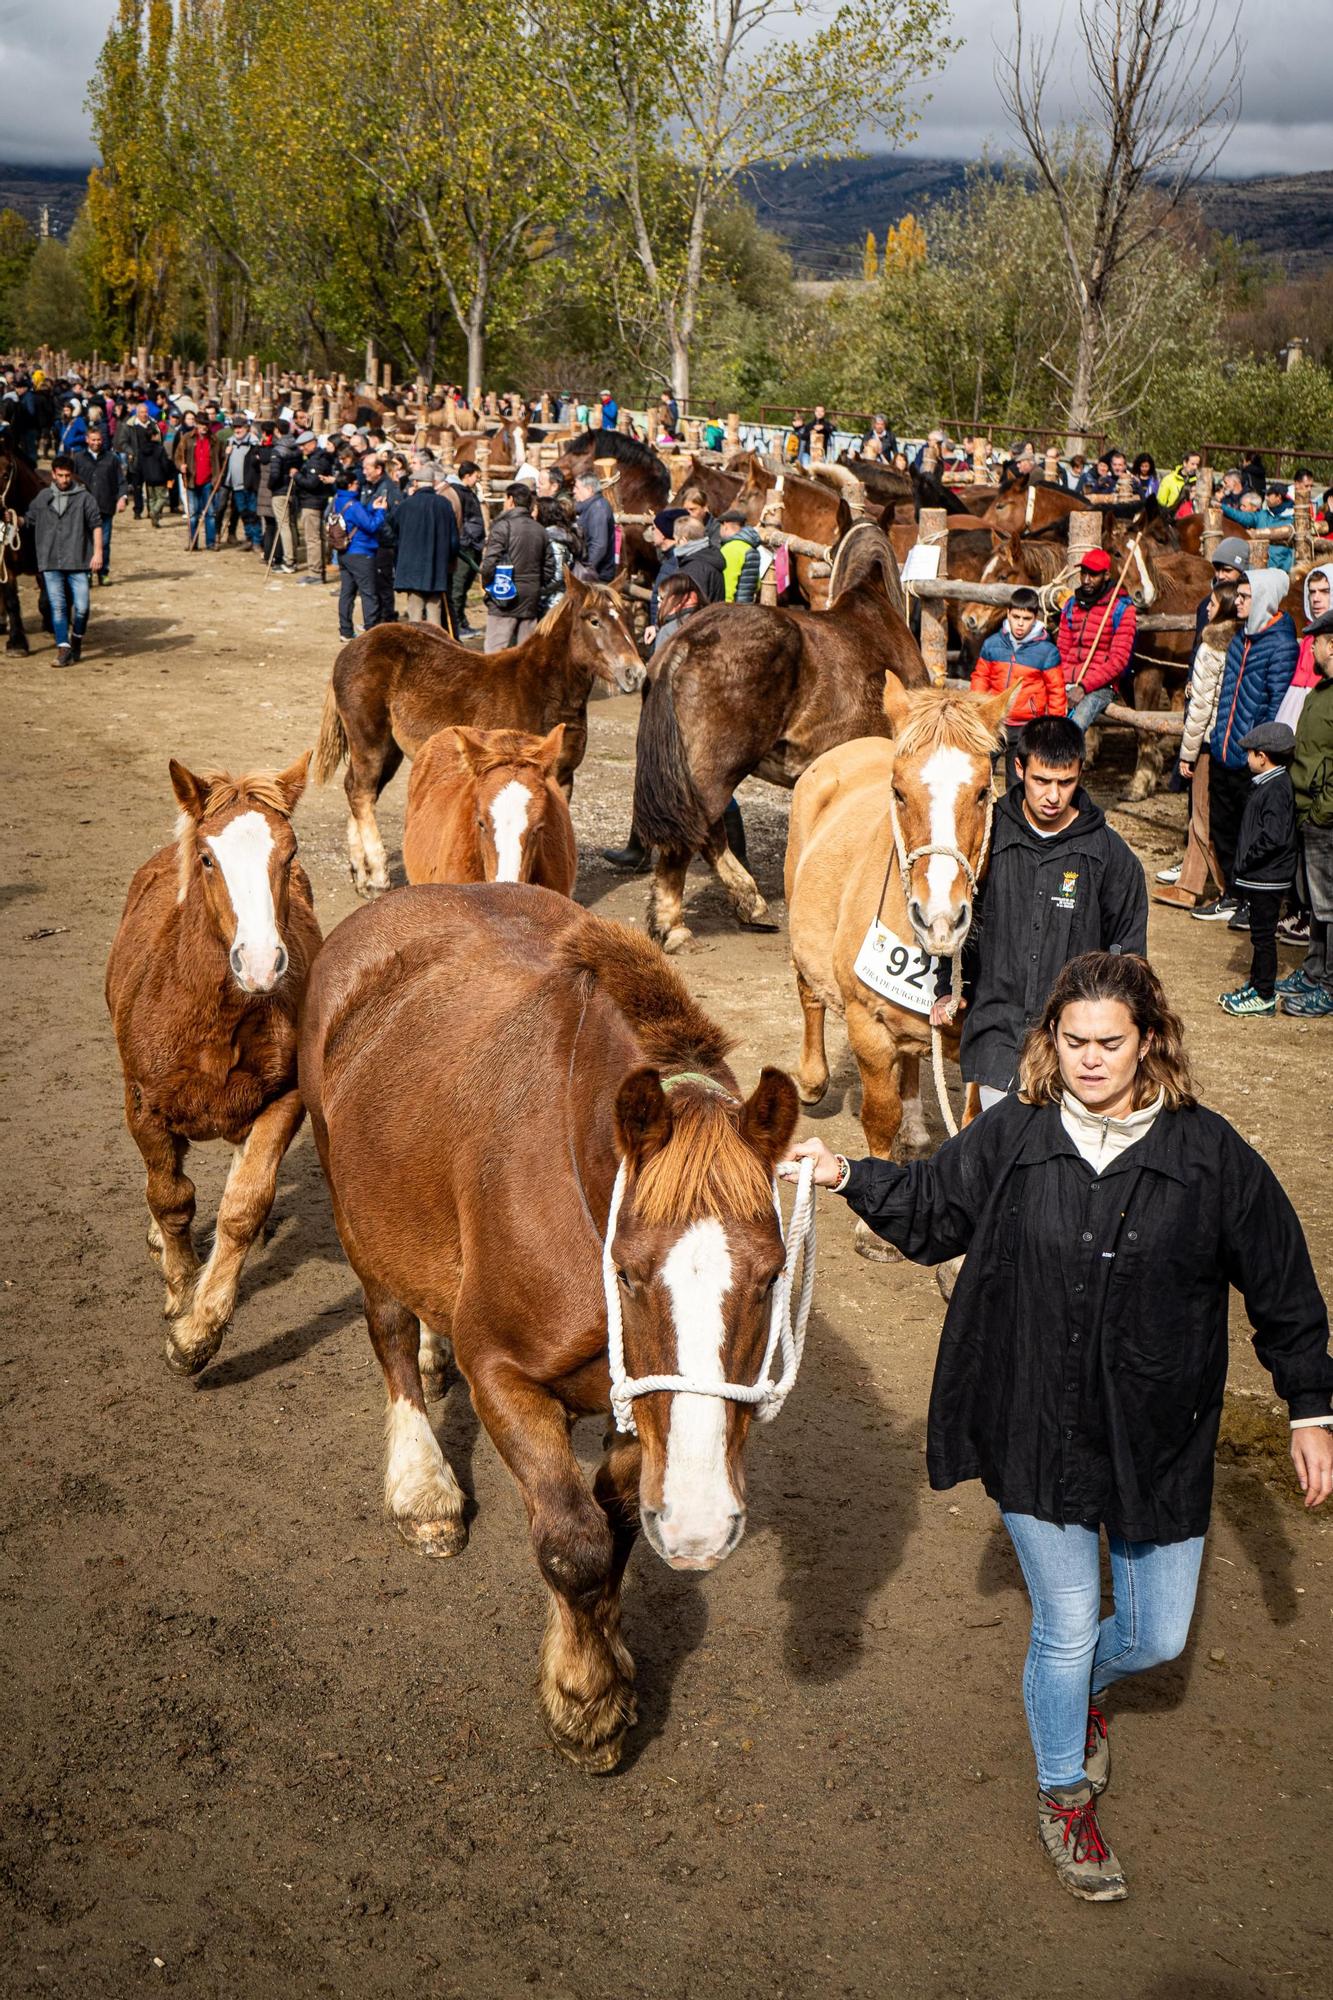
(242, 849)
(701, 1517)
(509, 823)
(944, 774)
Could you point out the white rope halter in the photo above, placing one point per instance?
(786, 1335)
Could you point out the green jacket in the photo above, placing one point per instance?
(1312, 764)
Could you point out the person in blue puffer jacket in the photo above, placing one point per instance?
(356, 563)
(1274, 510)
(1257, 672)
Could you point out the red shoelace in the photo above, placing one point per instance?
(1082, 1832)
(1096, 1728)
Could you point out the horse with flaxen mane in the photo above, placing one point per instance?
(488, 1070)
(203, 985)
(19, 487)
(483, 806)
(748, 690)
(397, 684)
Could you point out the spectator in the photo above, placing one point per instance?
(198, 456)
(1099, 484)
(558, 517)
(239, 484)
(818, 426)
(1254, 510)
(1317, 596)
(597, 525)
(427, 543)
(1184, 885)
(311, 486)
(1060, 882)
(377, 485)
(67, 535)
(1256, 674)
(1021, 655)
(139, 430)
(98, 468)
(610, 416)
(1095, 636)
(1309, 990)
(1145, 475)
(698, 559)
(362, 527)
(278, 458)
(694, 503)
(73, 427)
(880, 434)
(1253, 477)
(517, 571)
(154, 470)
(461, 492)
(1265, 860)
(740, 558)
(661, 535)
(936, 445)
(1175, 492)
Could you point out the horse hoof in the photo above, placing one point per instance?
(433, 1538)
(762, 922)
(676, 939)
(596, 1740)
(873, 1248)
(946, 1277)
(192, 1360)
(811, 1093)
(24, 650)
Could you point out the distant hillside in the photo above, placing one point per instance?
(58, 190)
(823, 208)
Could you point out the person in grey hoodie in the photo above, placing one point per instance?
(67, 531)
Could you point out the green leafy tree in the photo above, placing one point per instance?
(133, 205)
(18, 246)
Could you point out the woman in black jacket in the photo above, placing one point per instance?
(1105, 1215)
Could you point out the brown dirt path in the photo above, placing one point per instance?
(253, 1746)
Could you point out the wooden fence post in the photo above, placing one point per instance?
(1302, 535)
(933, 532)
(1258, 551)
(1085, 532)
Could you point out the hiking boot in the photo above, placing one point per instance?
(76, 647)
(1241, 920)
(62, 657)
(631, 859)
(1219, 912)
(1246, 1000)
(1298, 981)
(1294, 930)
(1067, 1826)
(1313, 1004)
(1097, 1753)
(1169, 875)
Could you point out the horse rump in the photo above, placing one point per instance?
(668, 812)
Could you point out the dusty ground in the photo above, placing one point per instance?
(253, 1746)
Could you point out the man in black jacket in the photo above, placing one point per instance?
(1060, 882)
(460, 490)
(98, 468)
(312, 489)
(699, 559)
(517, 570)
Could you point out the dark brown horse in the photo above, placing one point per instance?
(745, 690)
(484, 1067)
(642, 486)
(19, 487)
(397, 684)
(203, 985)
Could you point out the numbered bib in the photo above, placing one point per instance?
(896, 971)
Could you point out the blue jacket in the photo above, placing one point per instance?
(1256, 674)
(74, 435)
(365, 523)
(1279, 557)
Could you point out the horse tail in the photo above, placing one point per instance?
(668, 811)
(331, 748)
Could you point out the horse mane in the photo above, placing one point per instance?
(943, 718)
(865, 550)
(672, 1029)
(258, 791)
(1047, 559)
(705, 1167)
(615, 444)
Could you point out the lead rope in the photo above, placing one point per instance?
(786, 1334)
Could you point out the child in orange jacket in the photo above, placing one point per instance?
(1021, 653)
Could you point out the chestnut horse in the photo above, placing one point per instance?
(485, 1068)
(857, 814)
(203, 986)
(397, 684)
(750, 690)
(19, 487)
(483, 806)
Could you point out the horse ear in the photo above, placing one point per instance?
(643, 1117)
(769, 1116)
(995, 707)
(897, 707)
(548, 755)
(575, 588)
(471, 749)
(191, 792)
(291, 782)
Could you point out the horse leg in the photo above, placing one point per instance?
(877, 1058)
(18, 637)
(737, 880)
(421, 1495)
(913, 1138)
(1151, 755)
(812, 1071)
(246, 1201)
(581, 1542)
(365, 780)
(170, 1196)
(666, 897)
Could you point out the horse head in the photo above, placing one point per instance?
(512, 797)
(696, 1251)
(236, 849)
(978, 621)
(601, 637)
(942, 802)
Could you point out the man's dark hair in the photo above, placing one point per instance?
(1053, 740)
(521, 496)
(466, 466)
(62, 458)
(1302, 472)
(283, 428)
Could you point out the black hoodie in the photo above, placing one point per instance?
(1046, 899)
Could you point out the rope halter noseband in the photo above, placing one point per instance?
(786, 1333)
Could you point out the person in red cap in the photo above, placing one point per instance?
(1095, 638)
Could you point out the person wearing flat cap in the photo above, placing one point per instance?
(1265, 860)
(1095, 638)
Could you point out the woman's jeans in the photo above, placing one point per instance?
(1075, 1654)
(66, 590)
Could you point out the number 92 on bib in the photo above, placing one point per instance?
(895, 970)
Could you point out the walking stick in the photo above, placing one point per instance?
(1110, 607)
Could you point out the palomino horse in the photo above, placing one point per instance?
(203, 986)
(497, 1081)
(898, 831)
(397, 684)
(748, 690)
(483, 806)
(19, 487)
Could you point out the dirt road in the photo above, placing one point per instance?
(253, 1746)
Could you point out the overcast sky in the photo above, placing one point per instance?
(48, 47)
